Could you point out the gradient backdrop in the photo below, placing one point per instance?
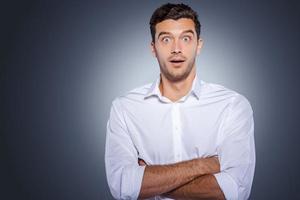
(63, 62)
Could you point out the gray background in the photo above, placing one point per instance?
(63, 62)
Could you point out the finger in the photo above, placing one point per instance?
(141, 162)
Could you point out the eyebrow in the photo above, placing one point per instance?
(168, 33)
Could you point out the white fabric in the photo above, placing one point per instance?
(210, 120)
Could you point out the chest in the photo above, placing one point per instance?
(171, 133)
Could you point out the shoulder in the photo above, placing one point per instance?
(235, 99)
(132, 96)
(208, 88)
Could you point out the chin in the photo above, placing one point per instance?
(177, 77)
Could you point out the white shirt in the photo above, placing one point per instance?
(210, 120)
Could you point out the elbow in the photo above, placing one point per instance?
(121, 196)
(115, 192)
(125, 183)
(120, 191)
(244, 193)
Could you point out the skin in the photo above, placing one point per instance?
(178, 180)
(176, 39)
(192, 179)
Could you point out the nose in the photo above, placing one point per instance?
(176, 47)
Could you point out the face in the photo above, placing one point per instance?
(176, 47)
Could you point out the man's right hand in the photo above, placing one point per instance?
(212, 164)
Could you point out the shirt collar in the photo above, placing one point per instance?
(154, 88)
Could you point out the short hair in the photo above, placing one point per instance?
(175, 12)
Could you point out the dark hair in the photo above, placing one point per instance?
(175, 12)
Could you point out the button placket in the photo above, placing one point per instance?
(176, 131)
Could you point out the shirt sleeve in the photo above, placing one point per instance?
(237, 151)
(123, 173)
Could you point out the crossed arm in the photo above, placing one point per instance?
(194, 179)
(191, 179)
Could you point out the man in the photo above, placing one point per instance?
(179, 137)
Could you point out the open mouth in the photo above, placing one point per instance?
(177, 61)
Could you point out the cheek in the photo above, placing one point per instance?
(162, 53)
(191, 51)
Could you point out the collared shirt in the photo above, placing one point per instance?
(210, 120)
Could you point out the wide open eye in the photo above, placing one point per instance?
(166, 39)
(186, 39)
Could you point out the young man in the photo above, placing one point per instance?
(179, 137)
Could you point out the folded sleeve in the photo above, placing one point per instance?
(237, 150)
(123, 173)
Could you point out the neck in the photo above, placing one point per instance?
(176, 90)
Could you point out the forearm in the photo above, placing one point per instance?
(203, 187)
(159, 179)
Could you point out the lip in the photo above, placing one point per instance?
(176, 58)
(178, 63)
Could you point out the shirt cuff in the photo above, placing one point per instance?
(134, 181)
(228, 185)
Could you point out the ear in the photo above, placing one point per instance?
(153, 50)
(199, 45)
